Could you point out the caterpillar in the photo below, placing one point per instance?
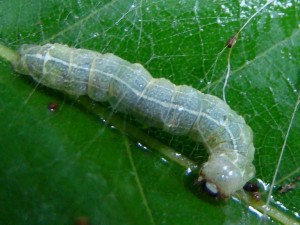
(129, 88)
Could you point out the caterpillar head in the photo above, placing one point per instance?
(223, 175)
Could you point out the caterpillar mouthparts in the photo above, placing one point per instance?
(129, 88)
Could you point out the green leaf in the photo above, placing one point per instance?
(58, 167)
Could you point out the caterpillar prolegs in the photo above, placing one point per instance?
(179, 110)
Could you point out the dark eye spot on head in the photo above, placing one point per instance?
(207, 188)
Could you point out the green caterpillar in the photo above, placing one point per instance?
(129, 88)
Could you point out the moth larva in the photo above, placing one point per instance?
(179, 110)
